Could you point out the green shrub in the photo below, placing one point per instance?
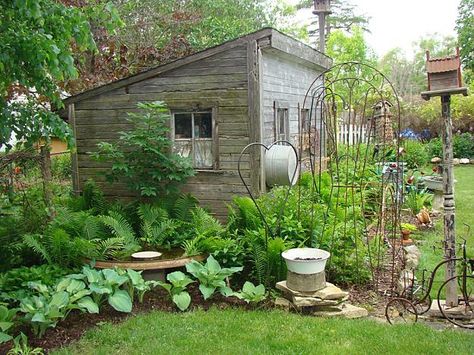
(416, 154)
(463, 146)
(143, 157)
(435, 147)
(61, 167)
(415, 200)
(14, 283)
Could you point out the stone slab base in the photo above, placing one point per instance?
(306, 282)
(328, 292)
(455, 312)
(330, 301)
(344, 310)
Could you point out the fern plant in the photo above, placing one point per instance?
(255, 241)
(123, 243)
(56, 246)
(245, 215)
(205, 224)
(183, 207)
(193, 246)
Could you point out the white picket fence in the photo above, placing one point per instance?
(351, 134)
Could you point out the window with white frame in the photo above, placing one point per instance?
(282, 125)
(193, 137)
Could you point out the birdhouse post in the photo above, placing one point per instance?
(444, 80)
(322, 8)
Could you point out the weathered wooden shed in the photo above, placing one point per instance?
(246, 90)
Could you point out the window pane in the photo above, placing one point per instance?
(305, 119)
(203, 153)
(182, 125)
(281, 121)
(282, 117)
(203, 125)
(183, 148)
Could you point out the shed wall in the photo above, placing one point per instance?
(284, 81)
(219, 82)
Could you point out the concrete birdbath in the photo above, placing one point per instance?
(435, 184)
(154, 264)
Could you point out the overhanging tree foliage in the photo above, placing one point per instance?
(159, 31)
(36, 54)
(465, 30)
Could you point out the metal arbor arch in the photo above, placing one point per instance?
(350, 143)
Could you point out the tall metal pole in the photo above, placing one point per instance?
(449, 210)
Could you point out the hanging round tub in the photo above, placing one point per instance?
(281, 166)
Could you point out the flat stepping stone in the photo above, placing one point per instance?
(348, 311)
(313, 302)
(454, 312)
(330, 292)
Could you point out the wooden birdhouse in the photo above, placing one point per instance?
(444, 76)
(322, 6)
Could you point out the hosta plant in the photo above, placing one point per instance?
(52, 304)
(21, 347)
(178, 282)
(136, 284)
(6, 323)
(107, 285)
(251, 293)
(211, 276)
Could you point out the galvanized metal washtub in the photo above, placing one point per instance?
(281, 166)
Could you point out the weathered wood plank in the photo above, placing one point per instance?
(253, 67)
(163, 80)
(99, 129)
(234, 97)
(205, 71)
(242, 128)
(189, 87)
(226, 121)
(74, 165)
(217, 61)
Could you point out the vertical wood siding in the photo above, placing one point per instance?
(286, 82)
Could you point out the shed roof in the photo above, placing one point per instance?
(277, 41)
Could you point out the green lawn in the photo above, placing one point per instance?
(464, 199)
(264, 332)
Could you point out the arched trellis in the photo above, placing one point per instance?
(359, 179)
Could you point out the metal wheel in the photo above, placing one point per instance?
(400, 310)
(463, 314)
(422, 305)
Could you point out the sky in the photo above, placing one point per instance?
(399, 23)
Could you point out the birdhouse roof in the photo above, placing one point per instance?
(441, 65)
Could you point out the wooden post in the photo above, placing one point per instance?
(444, 80)
(322, 28)
(46, 175)
(74, 164)
(449, 210)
